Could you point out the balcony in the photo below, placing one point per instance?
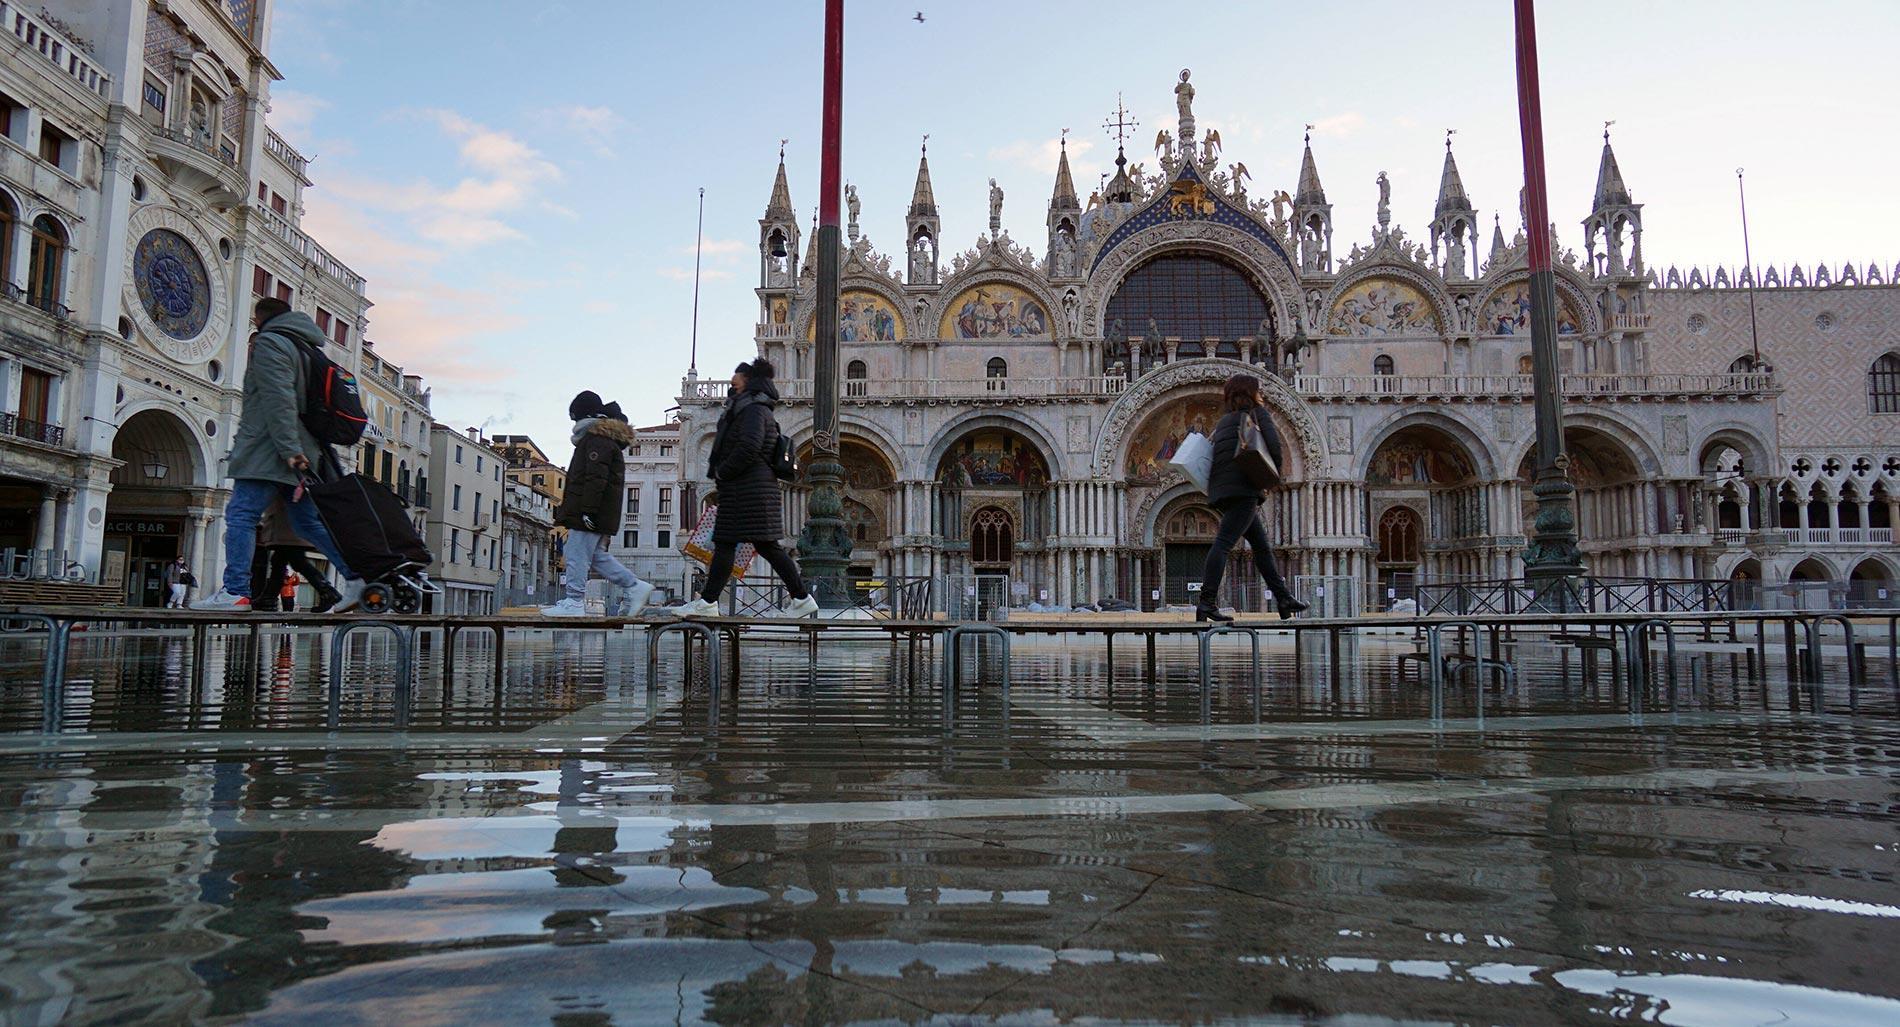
(1839, 536)
(1585, 387)
(1630, 322)
(36, 35)
(929, 390)
(774, 332)
(307, 248)
(15, 294)
(15, 426)
(197, 165)
(286, 154)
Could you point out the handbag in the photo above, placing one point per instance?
(784, 462)
(1195, 459)
(1251, 457)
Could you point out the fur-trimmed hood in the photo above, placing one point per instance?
(609, 428)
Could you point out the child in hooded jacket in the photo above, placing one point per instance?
(590, 508)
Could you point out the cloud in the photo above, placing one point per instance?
(726, 248)
(1041, 155)
(685, 274)
(292, 113)
(597, 127)
(1340, 125)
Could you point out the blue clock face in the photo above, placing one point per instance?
(172, 283)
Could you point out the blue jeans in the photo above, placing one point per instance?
(250, 497)
(586, 551)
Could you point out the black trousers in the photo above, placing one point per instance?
(1237, 521)
(268, 568)
(720, 570)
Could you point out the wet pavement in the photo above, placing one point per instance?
(576, 849)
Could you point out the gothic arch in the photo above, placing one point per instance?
(1610, 425)
(1447, 420)
(1132, 408)
(1425, 281)
(799, 428)
(1269, 270)
(1741, 438)
(962, 425)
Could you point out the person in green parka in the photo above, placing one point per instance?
(273, 453)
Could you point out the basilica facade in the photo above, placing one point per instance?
(1007, 412)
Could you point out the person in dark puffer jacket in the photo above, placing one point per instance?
(748, 492)
(1229, 491)
(590, 508)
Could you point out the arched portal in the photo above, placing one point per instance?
(156, 508)
(870, 500)
(1613, 520)
(992, 511)
(1870, 584)
(1810, 585)
(1430, 510)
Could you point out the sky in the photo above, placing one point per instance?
(519, 181)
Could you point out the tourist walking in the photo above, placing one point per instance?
(744, 446)
(279, 552)
(1238, 500)
(272, 453)
(590, 508)
(178, 582)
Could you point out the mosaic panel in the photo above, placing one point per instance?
(1382, 306)
(994, 311)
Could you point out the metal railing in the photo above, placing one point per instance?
(1579, 385)
(41, 565)
(199, 144)
(38, 301)
(33, 431)
(1577, 595)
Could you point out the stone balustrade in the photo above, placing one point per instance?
(54, 45)
(1382, 387)
(307, 248)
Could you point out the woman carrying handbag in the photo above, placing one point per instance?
(1246, 464)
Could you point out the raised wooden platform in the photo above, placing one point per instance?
(59, 593)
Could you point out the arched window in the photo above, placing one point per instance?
(1744, 364)
(1192, 296)
(854, 374)
(992, 537)
(46, 264)
(1382, 364)
(1398, 535)
(997, 371)
(1883, 385)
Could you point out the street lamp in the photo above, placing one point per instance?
(155, 469)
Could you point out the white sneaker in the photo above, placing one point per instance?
(636, 600)
(351, 596)
(695, 607)
(565, 608)
(222, 600)
(806, 607)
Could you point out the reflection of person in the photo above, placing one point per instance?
(1229, 491)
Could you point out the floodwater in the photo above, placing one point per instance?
(573, 848)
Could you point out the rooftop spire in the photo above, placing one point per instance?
(1064, 198)
(781, 202)
(923, 202)
(1497, 240)
(1451, 188)
(1309, 191)
(1611, 192)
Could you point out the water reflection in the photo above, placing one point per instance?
(836, 856)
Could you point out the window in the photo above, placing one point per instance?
(154, 96)
(630, 539)
(12, 119)
(540, 479)
(455, 498)
(633, 500)
(389, 467)
(263, 192)
(666, 449)
(478, 463)
(666, 539)
(368, 466)
(1744, 364)
(57, 148)
(455, 543)
(1883, 385)
(997, 371)
(1382, 364)
(8, 218)
(478, 508)
(36, 396)
(277, 204)
(340, 333)
(260, 282)
(1525, 365)
(323, 321)
(992, 537)
(666, 501)
(494, 509)
(46, 264)
(1190, 296)
(854, 374)
(458, 454)
(283, 291)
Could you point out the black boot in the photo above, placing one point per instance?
(1204, 612)
(326, 598)
(1288, 606)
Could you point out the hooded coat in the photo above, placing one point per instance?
(1225, 483)
(596, 476)
(749, 508)
(271, 430)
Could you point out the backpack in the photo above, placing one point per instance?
(332, 403)
(784, 460)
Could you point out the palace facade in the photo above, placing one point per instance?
(1007, 414)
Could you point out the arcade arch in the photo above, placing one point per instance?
(870, 500)
(1429, 504)
(1618, 511)
(992, 506)
(161, 505)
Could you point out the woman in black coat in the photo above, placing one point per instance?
(1229, 491)
(749, 506)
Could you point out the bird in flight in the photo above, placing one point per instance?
(919, 18)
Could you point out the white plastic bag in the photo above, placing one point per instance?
(1195, 457)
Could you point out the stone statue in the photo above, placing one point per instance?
(1385, 200)
(1455, 255)
(922, 265)
(200, 121)
(1184, 100)
(1065, 252)
(1164, 144)
(851, 202)
(996, 208)
(1280, 202)
(1071, 312)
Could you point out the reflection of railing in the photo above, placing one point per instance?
(898, 598)
(40, 565)
(1577, 595)
(53, 45)
(33, 431)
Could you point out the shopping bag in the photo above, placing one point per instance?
(698, 546)
(1251, 456)
(1195, 457)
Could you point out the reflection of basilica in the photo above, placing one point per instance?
(1018, 408)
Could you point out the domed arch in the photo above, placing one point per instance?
(1580, 423)
(995, 304)
(1363, 280)
(958, 427)
(799, 427)
(886, 299)
(1468, 436)
(153, 434)
(1134, 408)
(1741, 438)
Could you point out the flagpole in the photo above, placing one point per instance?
(699, 244)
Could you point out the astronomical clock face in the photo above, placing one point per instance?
(173, 287)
